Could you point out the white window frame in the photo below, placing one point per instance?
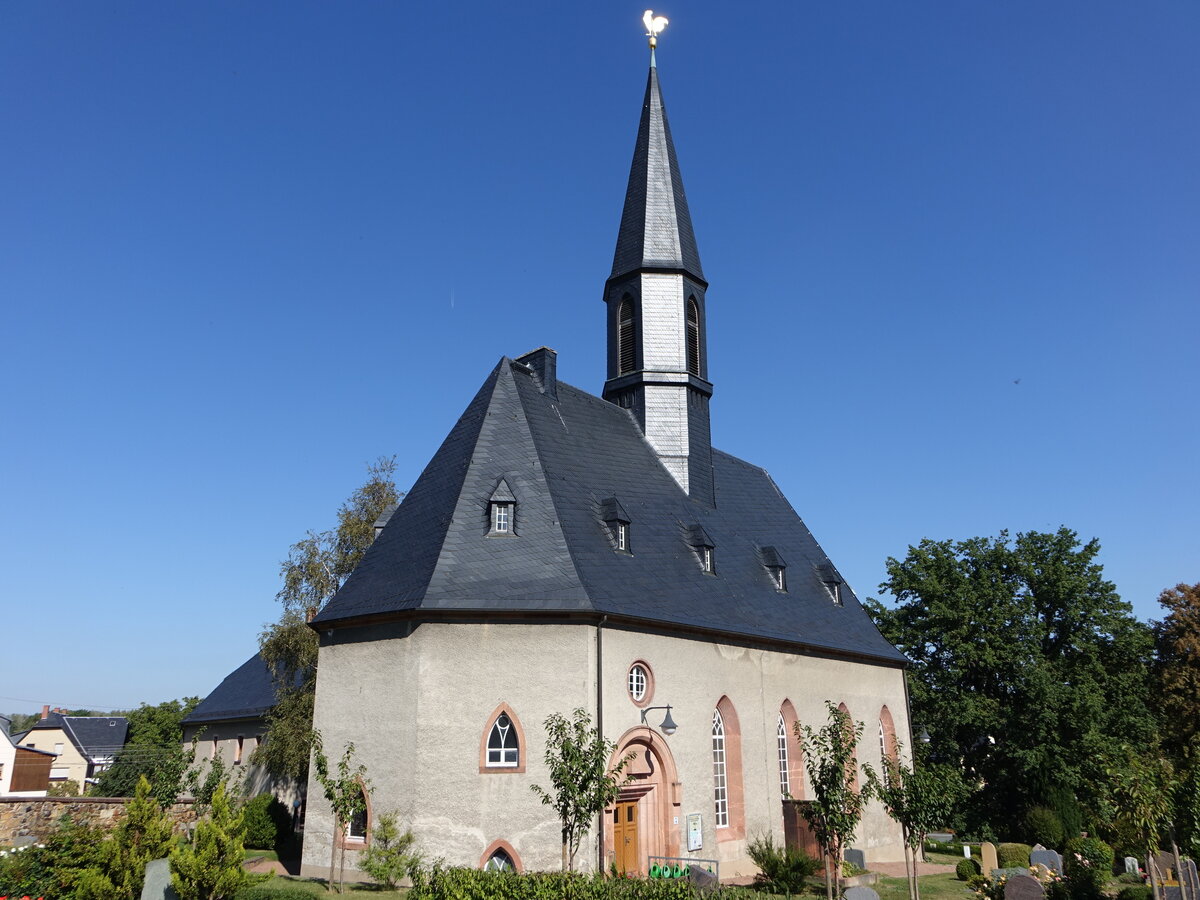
(707, 565)
(499, 861)
(720, 772)
(623, 536)
(639, 682)
(502, 517)
(502, 756)
(785, 782)
(350, 833)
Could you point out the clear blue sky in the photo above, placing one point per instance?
(246, 248)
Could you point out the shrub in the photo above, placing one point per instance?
(782, 869)
(212, 865)
(1043, 826)
(966, 868)
(1088, 863)
(1130, 878)
(1135, 892)
(441, 883)
(54, 867)
(264, 814)
(1011, 856)
(390, 856)
(266, 893)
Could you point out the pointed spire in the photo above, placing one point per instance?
(656, 227)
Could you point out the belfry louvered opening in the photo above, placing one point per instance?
(625, 336)
(693, 336)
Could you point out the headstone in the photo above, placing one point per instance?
(1024, 887)
(987, 858)
(1048, 858)
(24, 840)
(702, 880)
(860, 893)
(157, 885)
(855, 857)
(1131, 866)
(1191, 878)
(1038, 847)
(1172, 892)
(1165, 863)
(966, 851)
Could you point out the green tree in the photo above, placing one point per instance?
(346, 793)
(144, 834)
(390, 856)
(1026, 667)
(210, 868)
(837, 804)
(153, 749)
(315, 568)
(1177, 667)
(581, 783)
(919, 799)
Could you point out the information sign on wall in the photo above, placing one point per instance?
(695, 838)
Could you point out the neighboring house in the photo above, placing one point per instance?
(84, 745)
(563, 550)
(24, 772)
(231, 722)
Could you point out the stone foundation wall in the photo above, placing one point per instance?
(25, 820)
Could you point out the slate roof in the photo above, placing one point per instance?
(96, 737)
(563, 457)
(245, 693)
(656, 226)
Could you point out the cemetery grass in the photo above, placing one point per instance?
(933, 887)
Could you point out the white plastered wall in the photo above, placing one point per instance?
(416, 702)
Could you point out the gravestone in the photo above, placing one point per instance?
(1024, 887)
(966, 851)
(157, 885)
(1051, 859)
(702, 880)
(1164, 862)
(855, 857)
(987, 858)
(1131, 866)
(1191, 878)
(860, 893)
(1172, 892)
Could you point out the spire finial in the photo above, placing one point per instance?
(654, 26)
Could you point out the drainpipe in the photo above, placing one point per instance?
(600, 731)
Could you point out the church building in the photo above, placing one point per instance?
(567, 550)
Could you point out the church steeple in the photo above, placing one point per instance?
(657, 353)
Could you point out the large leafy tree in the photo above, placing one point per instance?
(581, 783)
(1177, 666)
(153, 749)
(1027, 667)
(315, 568)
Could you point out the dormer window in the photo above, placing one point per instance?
(832, 580)
(704, 547)
(775, 567)
(502, 511)
(617, 520)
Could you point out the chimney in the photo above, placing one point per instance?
(46, 711)
(544, 363)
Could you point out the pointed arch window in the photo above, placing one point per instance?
(693, 336)
(625, 335)
(781, 741)
(720, 771)
(503, 748)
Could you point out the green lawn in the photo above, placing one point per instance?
(317, 887)
(932, 887)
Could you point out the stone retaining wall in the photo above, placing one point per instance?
(25, 820)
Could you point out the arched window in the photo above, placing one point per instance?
(502, 743)
(720, 773)
(795, 754)
(888, 751)
(500, 857)
(854, 754)
(781, 739)
(355, 832)
(625, 354)
(503, 749)
(693, 336)
(729, 801)
(499, 861)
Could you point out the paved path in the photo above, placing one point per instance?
(261, 864)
